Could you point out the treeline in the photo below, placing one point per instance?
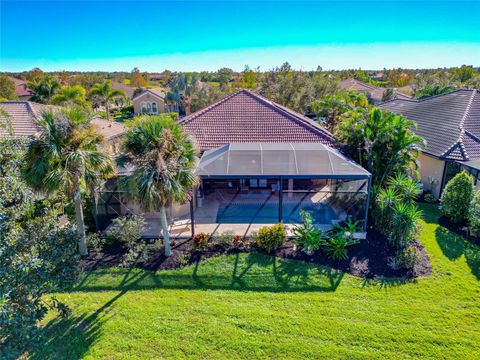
(296, 89)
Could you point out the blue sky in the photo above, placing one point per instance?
(195, 35)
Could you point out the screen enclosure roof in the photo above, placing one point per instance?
(278, 159)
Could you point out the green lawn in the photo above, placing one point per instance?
(253, 306)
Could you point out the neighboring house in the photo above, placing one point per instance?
(150, 101)
(450, 124)
(375, 93)
(261, 163)
(155, 77)
(21, 88)
(23, 117)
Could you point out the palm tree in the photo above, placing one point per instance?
(105, 95)
(43, 88)
(74, 95)
(162, 157)
(382, 142)
(63, 155)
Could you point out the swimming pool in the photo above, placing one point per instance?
(250, 213)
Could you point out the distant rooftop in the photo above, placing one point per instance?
(278, 159)
(23, 117)
(450, 123)
(376, 93)
(246, 117)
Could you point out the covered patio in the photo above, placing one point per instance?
(246, 186)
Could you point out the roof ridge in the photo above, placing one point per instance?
(194, 115)
(462, 128)
(427, 98)
(291, 113)
(444, 94)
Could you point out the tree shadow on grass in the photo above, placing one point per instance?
(454, 246)
(241, 271)
(68, 338)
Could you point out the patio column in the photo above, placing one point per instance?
(192, 212)
(280, 201)
(367, 201)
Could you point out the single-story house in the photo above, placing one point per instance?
(450, 124)
(375, 93)
(22, 89)
(261, 163)
(151, 102)
(23, 117)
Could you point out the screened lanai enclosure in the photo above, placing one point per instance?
(248, 185)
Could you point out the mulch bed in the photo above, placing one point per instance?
(368, 259)
(459, 229)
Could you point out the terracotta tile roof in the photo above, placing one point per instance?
(376, 93)
(23, 117)
(21, 87)
(450, 123)
(245, 117)
(110, 131)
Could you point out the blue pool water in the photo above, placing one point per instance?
(268, 213)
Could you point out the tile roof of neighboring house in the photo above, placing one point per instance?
(127, 89)
(376, 93)
(23, 117)
(21, 87)
(110, 131)
(158, 92)
(247, 117)
(450, 123)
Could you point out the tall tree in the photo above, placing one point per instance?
(68, 96)
(7, 88)
(163, 158)
(382, 142)
(105, 95)
(331, 107)
(37, 257)
(65, 153)
(137, 79)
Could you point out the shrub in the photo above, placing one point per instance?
(95, 242)
(403, 226)
(270, 238)
(224, 238)
(200, 240)
(238, 240)
(406, 188)
(430, 198)
(384, 204)
(126, 230)
(456, 197)
(474, 214)
(407, 257)
(396, 214)
(307, 235)
(336, 246)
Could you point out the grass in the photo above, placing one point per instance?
(256, 306)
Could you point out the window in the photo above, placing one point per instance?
(149, 108)
(154, 108)
(143, 107)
